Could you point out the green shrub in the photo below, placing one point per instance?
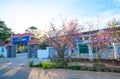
(109, 70)
(89, 69)
(66, 67)
(103, 70)
(86, 68)
(59, 62)
(48, 65)
(115, 70)
(78, 67)
(45, 65)
(40, 63)
(93, 69)
(54, 65)
(99, 66)
(118, 71)
(73, 67)
(31, 64)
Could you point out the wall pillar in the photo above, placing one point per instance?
(13, 49)
(8, 51)
(115, 51)
(35, 50)
(51, 51)
(90, 52)
(29, 54)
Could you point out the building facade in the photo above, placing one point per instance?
(85, 47)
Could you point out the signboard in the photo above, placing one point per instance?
(24, 39)
(78, 40)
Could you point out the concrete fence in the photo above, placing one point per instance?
(45, 53)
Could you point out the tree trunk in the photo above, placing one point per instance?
(99, 58)
(98, 54)
(62, 55)
(59, 53)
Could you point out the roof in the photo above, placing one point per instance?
(8, 44)
(31, 42)
(95, 31)
(21, 35)
(2, 43)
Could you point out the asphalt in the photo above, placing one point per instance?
(15, 68)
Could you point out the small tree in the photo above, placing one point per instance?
(101, 40)
(61, 37)
(38, 34)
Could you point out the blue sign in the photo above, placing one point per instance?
(25, 39)
(78, 40)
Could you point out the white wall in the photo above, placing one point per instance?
(3, 51)
(48, 52)
(43, 53)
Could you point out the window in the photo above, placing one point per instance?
(86, 37)
(80, 38)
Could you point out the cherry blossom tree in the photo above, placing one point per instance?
(101, 40)
(64, 36)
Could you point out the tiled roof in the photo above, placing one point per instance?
(95, 31)
(31, 42)
(8, 44)
(2, 43)
(21, 35)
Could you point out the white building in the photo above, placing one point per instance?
(84, 48)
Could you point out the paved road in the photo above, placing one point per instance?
(17, 68)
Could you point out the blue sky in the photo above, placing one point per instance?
(21, 14)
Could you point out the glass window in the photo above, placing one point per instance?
(86, 37)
